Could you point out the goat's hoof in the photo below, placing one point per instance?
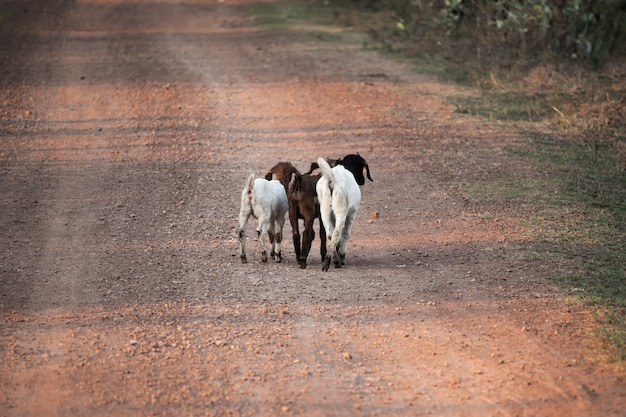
(244, 260)
(279, 257)
(264, 257)
(302, 263)
(326, 265)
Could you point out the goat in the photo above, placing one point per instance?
(302, 205)
(267, 202)
(354, 163)
(339, 197)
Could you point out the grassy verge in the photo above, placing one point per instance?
(575, 122)
(580, 207)
(584, 220)
(309, 15)
(6, 16)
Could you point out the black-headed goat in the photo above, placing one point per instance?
(339, 198)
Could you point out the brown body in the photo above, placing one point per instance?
(302, 205)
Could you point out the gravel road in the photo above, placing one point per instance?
(127, 130)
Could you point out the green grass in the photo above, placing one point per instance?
(290, 15)
(6, 16)
(613, 333)
(579, 217)
(510, 105)
(593, 186)
(586, 218)
(276, 16)
(325, 21)
(509, 190)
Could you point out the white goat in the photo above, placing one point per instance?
(339, 197)
(266, 201)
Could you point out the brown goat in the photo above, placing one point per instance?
(302, 205)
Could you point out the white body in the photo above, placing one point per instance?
(339, 197)
(267, 202)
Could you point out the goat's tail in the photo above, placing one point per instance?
(250, 184)
(327, 171)
(295, 183)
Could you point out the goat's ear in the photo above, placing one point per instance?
(314, 166)
(367, 171)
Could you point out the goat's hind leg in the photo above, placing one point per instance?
(333, 241)
(337, 258)
(278, 237)
(327, 222)
(272, 236)
(308, 235)
(332, 246)
(295, 229)
(241, 235)
(328, 253)
(323, 247)
(261, 232)
(331, 254)
(342, 249)
(275, 251)
(337, 239)
(326, 263)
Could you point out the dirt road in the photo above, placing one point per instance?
(127, 130)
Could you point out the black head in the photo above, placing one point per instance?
(314, 166)
(355, 163)
(331, 162)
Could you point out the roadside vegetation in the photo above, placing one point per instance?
(552, 69)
